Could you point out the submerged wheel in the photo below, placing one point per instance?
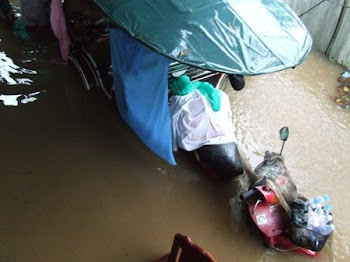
(237, 82)
(85, 70)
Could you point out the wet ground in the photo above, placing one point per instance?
(78, 185)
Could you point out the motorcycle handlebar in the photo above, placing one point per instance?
(247, 195)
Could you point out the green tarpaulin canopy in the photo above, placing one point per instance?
(245, 37)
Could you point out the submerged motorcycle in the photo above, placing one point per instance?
(289, 226)
(213, 42)
(89, 40)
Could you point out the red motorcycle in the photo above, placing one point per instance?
(281, 229)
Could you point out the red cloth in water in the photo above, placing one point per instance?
(58, 25)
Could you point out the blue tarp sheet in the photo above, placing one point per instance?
(141, 88)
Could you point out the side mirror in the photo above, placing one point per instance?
(284, 133)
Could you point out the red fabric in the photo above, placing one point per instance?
(285, 243)
(58, 25)
(184, 250)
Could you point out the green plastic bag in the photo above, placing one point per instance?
(182, 86)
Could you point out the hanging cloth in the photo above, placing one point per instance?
(141, 87)
(58, 25)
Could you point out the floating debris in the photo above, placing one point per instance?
(343, 91)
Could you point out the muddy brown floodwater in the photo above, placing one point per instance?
(78, 185)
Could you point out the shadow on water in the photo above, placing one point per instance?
(78, 185)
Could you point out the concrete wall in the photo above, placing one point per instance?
(329, 25)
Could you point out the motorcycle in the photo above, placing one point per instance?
(281, 228)
(221, 52)
(89, 40)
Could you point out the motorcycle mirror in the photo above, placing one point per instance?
(284, 133)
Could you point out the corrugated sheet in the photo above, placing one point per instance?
(329, 25)
(340, 47)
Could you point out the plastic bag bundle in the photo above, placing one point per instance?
(311, 222)
(183, 85)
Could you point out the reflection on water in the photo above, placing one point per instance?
(30, 97)
(8, 67)
(13, 100)
(10, 100)
(8, 71)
